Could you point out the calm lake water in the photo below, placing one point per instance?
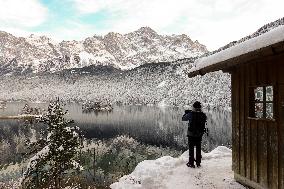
(148, 124)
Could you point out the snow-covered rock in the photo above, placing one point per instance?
(167, 173)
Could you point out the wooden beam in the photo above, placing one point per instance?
(247, 182)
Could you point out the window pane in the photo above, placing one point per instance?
(258, 94)
(258, 109)
(269, 110)
(269, 93)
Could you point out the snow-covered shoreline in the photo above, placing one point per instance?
(168, 172)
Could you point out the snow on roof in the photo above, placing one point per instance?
(272, 37)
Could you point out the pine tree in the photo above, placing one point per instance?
(55, 155)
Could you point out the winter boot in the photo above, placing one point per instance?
(190, 165)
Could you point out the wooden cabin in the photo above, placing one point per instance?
(257, 82)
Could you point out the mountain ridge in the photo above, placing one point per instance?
(124, 51)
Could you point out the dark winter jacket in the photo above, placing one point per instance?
(195, 130)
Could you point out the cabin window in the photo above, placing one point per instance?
(262, 102)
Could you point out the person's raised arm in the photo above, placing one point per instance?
(186, 116)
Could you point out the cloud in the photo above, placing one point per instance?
(129, 14)
(212, 22)
(20, 15)
(72, 30)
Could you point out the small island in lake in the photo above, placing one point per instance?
(96, 107)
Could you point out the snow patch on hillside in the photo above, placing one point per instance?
(168, 172)
(162, 84)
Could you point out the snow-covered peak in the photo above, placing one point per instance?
(125, 51)
(146, 31)
(41, 38)
(40, 41)
(5, 34)
(112, 35)
(98, 37)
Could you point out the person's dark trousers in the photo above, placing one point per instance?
(194, 142)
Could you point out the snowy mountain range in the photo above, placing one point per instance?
(41, 54)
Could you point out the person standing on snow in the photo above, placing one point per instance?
(196, 129)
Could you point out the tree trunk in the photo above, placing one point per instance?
(94, 164)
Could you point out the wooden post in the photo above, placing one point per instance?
(37, 179)
(94, 164)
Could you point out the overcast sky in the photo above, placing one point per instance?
(213, 23)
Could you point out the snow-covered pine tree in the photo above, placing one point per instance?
(56, 156)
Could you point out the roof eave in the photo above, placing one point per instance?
(274, 49)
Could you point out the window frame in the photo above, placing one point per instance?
(264, 102)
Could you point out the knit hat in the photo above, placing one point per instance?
(197, 105)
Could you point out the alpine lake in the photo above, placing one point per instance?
(153, 125)
(160, 128)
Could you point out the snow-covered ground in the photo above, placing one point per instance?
(168, 173)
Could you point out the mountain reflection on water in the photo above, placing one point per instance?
(160, 126)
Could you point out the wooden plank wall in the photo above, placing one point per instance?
(280, 78)
(258, 151)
